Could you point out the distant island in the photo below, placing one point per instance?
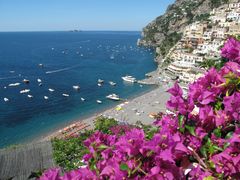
(75, 30)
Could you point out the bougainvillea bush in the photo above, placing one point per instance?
(201, 141)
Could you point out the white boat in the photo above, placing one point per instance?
(51, 90)
(14, 84)
(26, 81)
(39, 80)
(76, 87)
(45, 97)
(65, 95)
(129, 79)
(99, 84)
(40, 65)
(112, 83)
(40, 84)
(30, 96)
(99, 102)
(6, 99)
(114, 97)
(100, 81)
(82, 99)
(24, 91)
(112, 57)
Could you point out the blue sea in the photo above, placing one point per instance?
(68, 58)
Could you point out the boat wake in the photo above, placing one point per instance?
(63, 69)
(10, 77)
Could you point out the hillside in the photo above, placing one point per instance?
(166, 30)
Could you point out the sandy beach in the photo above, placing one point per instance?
(129, 111)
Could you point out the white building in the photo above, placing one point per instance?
(233, 16)
(234, 5)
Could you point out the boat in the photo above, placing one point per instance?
(39, 80)
(40, 65)
(30, 96)
(76, 87)
(99, 102)
(26, 81)
(112, 57)
(100, 81)
(129, 79)
(114, 97)
(45, 97)
(112, 83)
(6, 99)
(51, 90)
(24, 91)
(65, 95)
(14, 84)
(99, 84)
(82, 99)
(40, 84)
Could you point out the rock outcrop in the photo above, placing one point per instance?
(163, 32)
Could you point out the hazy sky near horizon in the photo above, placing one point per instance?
(53, 15)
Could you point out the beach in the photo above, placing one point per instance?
(141, 108)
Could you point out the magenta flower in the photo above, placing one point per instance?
(232, 105)
(51, 174)
(231, 50)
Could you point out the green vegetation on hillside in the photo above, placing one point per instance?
(68, 153)
(169, 42)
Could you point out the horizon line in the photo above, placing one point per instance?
(80, 30)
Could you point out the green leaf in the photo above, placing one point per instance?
(226, 145)
(217, 132)
(124, 167)
(203, 151)
(217, 148)
(211, 164)
(208, 178)
(180, 120)
(102, 147)
(229, 135)
(191, 129)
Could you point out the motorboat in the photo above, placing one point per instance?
(14, 84)
(112, 57)
(76, 87)
(112, 83)
(51, 90)
(82, 99)
(65, 95)
(24, 91)
(45, 97)
(40, 65)
(40, 84)
(6, 99)
(129, 79)
(30, 96)
(99, 102)
(114, 97)
(100, 81)
(99, 84)
(39, 80)
(26, 81)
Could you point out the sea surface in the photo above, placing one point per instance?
(68, 58)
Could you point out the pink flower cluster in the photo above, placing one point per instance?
(202, 139)
(231, 50)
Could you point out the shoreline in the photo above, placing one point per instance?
(130, 111)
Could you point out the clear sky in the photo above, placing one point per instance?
(51, 15)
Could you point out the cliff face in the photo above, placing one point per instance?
(166, 30)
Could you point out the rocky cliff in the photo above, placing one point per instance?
(166, 30)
